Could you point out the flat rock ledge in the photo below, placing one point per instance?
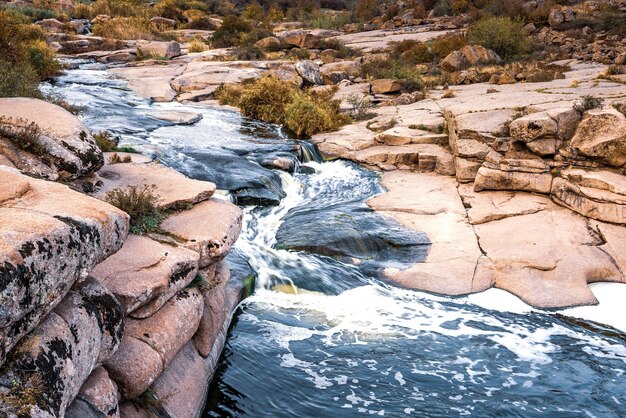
(499, 239)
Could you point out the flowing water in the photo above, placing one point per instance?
(326, 336)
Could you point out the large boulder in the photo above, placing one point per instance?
(49, 134)
(387, 86)
(159, 49)
(597, 194)
(50, 236)
(601, 135)
(82, 332)
(534, 126)
(468, 56)
(300, 38)
(310, 72)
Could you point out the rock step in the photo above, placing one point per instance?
(175, 190)
(421, 157)
(402, 135)
(98, 397)
(50, 236)
(144, 274)
(150, 344)
(60, 354)
(209, 228)
(179, 391)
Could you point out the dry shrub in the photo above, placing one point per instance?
(444, 45)
(196, 46)
(23, 134)
(125, 28)
(105, 141)
(116, 159)
(275, 101)
(25, 58)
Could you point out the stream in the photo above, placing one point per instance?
(324, 334)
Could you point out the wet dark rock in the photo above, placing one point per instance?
(352, 232)
(250, 183)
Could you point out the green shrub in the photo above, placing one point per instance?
(411, 52)
(141, 203)
(503, 35)
(230, 32)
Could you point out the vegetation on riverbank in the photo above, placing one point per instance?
(272, 100)
(26, 58)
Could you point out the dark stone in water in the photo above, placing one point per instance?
(353, 231)
(249, 183)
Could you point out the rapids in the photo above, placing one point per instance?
(328, 336)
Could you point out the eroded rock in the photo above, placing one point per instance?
(64, 144)
(50, 236)
(601, 135)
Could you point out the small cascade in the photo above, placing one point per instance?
(323, 336)
(310, 153)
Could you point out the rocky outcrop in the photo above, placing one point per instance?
(221, 225)
(601, 136)
(144, 274)
(50, 237)
(150, 344)
(45, 140)
(310, 72)
(299, 38)
(62, 351)
(174, 189)
(468, 56)
(598, 194)
(98, 397)
(157, 49)
(531, 175)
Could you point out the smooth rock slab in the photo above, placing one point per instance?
(144, 274)
(50, 236)
(431, 204)
(492, 206)
(174, 189)
(68, 344)
(209, 228)
(69, 147)
(546, 258)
